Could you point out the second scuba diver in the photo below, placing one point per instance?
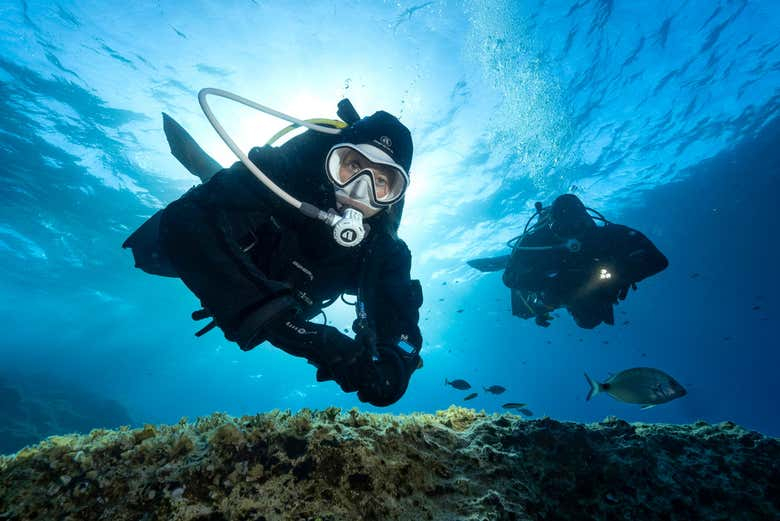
(566, 260)
(263, 270)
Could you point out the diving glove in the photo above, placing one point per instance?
(380, 381)
(385, 380)
(543, 319)
(365, 336)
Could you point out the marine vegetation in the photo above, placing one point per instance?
(455, 464)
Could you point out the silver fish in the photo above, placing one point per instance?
(645, 386)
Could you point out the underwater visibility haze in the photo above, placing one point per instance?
(663, 116)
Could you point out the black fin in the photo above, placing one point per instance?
(489, 264)
(187, 151)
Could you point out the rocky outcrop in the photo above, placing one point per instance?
(455, 464)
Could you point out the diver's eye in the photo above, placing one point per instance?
(354, 166)
(380, 181)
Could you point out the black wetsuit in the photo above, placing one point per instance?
(559, 277)
(262, 269)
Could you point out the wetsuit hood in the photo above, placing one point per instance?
(387, 133)
(384, 132)
(569, 218)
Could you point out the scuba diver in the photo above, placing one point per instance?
(264, 268)
(566, 260)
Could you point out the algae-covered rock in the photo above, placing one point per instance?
(455, 464)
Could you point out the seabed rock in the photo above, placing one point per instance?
(457, 464)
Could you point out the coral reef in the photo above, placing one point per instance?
(43, 407)
(455, 464)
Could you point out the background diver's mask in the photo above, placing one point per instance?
(365, 177)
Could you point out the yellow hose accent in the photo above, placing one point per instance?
(335, 123)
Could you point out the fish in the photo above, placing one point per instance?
(471, 396)
(526, 412)
(645, 386)
(495, 389)
(514, 405)
(460, 385)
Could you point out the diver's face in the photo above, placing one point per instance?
(354, 163)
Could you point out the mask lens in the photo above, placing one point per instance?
(346, 164)
(388, 183)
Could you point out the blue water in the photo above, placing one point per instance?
(664, 116)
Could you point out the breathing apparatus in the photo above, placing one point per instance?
(348, 227)
(544, 219)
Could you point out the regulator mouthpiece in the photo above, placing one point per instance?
(348, 231)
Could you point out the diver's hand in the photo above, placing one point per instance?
(347, 376)
(380, 380)
(385, 380)
(365, 336)
(543, 319)
(348, 363)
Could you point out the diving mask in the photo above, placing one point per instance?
(365, 177)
